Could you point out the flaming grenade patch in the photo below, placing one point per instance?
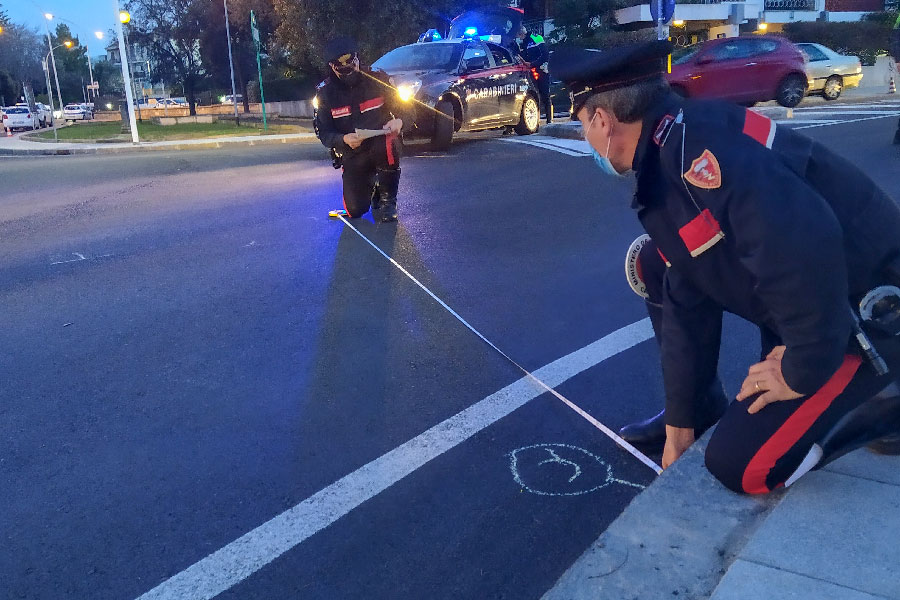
(705, 172)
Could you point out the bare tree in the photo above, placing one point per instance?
(171, 30)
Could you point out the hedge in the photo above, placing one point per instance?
(866, 39)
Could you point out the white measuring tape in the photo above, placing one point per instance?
(606, 430)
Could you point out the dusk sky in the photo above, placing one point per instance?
(83, 17)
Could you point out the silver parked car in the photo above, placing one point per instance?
(829, 72)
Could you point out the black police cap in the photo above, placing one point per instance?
(587, 72)
(341, 50)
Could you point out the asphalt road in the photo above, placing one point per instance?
(192, 351)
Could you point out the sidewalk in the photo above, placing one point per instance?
(572, 129)
(14, 146)
(833, 535)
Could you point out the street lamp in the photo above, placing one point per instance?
(124, 17)
(49, 17)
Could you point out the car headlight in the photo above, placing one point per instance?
(407, 91)
(315, 103)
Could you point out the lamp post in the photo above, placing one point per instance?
(50, 98)
(124, 17)
(49, 17)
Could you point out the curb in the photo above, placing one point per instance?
(676, 539)
(149, 147)
(569, 132)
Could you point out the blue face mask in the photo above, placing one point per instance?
(603, 161)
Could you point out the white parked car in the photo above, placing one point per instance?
(77, 112)
(19, 117)
(828, 72)
(44, 115)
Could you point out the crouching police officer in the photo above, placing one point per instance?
(355, 98)
(773, 227)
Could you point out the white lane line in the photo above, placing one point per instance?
(606, 430)
(561, 145)
(819, 113)
(241, 558)
(807, 121)
(848, 121)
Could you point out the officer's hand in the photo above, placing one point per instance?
(766, 380)
(394, 126)
(353, 140)
(678, 440)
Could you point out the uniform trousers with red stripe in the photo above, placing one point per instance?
(758, 453)
(377, 159)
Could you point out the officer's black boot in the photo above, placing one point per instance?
(388, 184)
(651, 434)
(874, 423)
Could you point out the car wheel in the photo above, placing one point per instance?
(444, 122)
(791, 91)
(530, 119)
(834, 85)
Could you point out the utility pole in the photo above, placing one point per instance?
(231, 63)
(262, 97)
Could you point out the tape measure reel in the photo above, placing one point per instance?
(334, 214)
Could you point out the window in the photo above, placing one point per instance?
(732, 50)
(812, 52)
(763, 46)
(501, 56)
(473, 52)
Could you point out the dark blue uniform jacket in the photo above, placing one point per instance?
(344, 109)
(762, 222)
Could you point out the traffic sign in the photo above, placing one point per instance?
(667, 7)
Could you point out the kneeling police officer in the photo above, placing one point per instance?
(351, 99)
(765, 223)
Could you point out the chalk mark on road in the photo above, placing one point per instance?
(597, 473)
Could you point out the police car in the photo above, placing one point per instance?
(459, 85)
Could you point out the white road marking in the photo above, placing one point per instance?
(807, 121)
(561, 145)
(848, 121)
(78, 258)
(241, 558)
(886, 113)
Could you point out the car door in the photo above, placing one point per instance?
(727, 71)
(507, 79)
(481, 106)
(819, 67)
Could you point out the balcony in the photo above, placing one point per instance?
(790, 4)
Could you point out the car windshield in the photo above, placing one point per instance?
(479, 23)
(420, 57)
(73, 107)
(16, 110)
(683, 55)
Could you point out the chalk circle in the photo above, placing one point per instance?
(571, 470)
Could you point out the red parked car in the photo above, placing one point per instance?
(745, 70)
